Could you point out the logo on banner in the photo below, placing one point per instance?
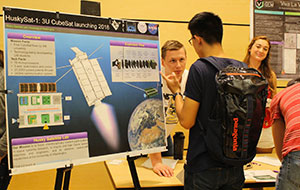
(259, 4)
(115, 24)
(142, 27)
(152, 28)
(131, 27)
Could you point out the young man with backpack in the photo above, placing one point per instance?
(203, 170)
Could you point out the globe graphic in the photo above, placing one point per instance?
(146, 125)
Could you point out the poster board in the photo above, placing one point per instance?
(82, 89)
(279, 21)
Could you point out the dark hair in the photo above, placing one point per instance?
(1, 58)
(171, 45)
(208, 26)
(293, 81)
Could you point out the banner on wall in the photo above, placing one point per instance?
(279, 21)
(83, 89)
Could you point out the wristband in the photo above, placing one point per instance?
(177, 93)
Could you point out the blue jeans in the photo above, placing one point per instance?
(215, 179)
(289, 175)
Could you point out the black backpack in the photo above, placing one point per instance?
(238, 114)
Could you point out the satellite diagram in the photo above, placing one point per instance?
(90, 77)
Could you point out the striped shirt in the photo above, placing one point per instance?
(286, 105)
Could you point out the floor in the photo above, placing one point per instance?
(84, 177)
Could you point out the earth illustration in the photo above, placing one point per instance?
(146, 125)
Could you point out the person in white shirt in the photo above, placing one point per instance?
(173, 57)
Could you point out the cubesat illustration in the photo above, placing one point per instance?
(90, 77)
(95, 88)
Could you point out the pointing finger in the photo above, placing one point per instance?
(163, 75)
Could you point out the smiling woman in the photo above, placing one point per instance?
(258, 56)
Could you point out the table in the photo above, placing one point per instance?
(121, 176)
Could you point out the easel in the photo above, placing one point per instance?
(133, 172)
(63, 175)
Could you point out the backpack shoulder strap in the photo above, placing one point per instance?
(213, 62)
(219, 67)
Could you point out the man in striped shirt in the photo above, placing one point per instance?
(285, 115)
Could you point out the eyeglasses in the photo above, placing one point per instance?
(190, 40)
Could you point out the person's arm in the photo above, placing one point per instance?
(158, 167)
(274, 81)
(278, 129)
(186, 109)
